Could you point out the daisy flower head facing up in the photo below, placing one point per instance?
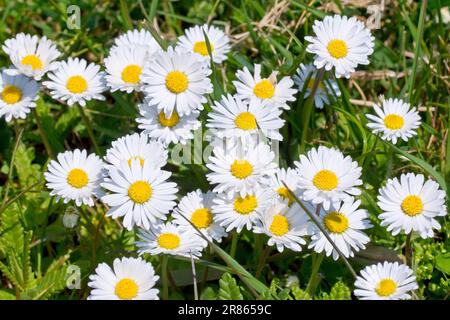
(167, 129)
(18, 94)
(385, 281)
(290, 178)
(176, 80)
(326, 176)
(130, 279)
(275, 93)
(395, 120)
(170, 239)
(344, 223)
(233, 117)
(76, 176)
(30, 55)
(76, 81)
(196, 206)
(140, 193)
(194, 40)
(305, 77)
(137, 38)
(411, 204)
(340, 42)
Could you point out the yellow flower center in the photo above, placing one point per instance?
(245, 205)
(176, 82)
(245, 121)
(336, 222)
(284, 193)
(325, 180)
(337, 48)
(200, 47)
(386, 287)
(394, 121)
(77, 178)
(241, 169)
(126, 289)
(76, 84)
(412, 205)
(131, 73)
(264, 89)
(11, 94)
(33, 61)
(169, 241)
(170, 122)
(202, 218)
(280, 225)
(140, 192)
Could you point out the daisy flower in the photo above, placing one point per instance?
(76, 81)
(137, 38)
(140, 193)
(131, 279)
(275, 94)
(75, 176)
(411, 204)
(18, 94)
(170, 239)
(194, 41)
(387, 281)
(30, 55)
(176, 80)
(326, 176)
(340, 42)
(232, 117)
(288, 176)
(395, 119)
(325, 90)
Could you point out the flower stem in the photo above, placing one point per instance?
(234, 241)
(165, 279)
(262, 261)
(43, 134)
(312, 283)
(408, 250)
(90, 131)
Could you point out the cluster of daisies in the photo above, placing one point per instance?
(248, 189)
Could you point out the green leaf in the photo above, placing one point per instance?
(300, 294)
(443, 262)
(208, 294)
(339, 291)
(229, 290)
(6, 295)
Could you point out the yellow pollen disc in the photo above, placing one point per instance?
(76, 84)
(77, 178)
(176, 82)
(170, 122)
(202, 218)
(11, 94)
(284, 193)
(126, 289)
(131, 74)
(140, 192)
(245, 121)
(279, 226)
(264, 89)
(245, 205)
(142, 161)
(337, 48)
(325, 180)
(169, 241)
(33, 61)
(200, 47)
(386, 287)
(412, 205)
(241, 169)
(394, 121)
(336, 222)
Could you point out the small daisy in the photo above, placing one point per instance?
(325, 91)
(75, 176)
(275, 94)
(340, 42)
(387, 281)
(176, 80)
(232, 117)
(174, 129)
(140, 193)
(241, 211)
(326, 176)
(411, 204)
(170, 239)
(344, 223)
(18, 94)
(194, 41)
(290, 178)
(30, 55)
(137, 38)
(395, 119)
(131, 279)
(76, 81)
